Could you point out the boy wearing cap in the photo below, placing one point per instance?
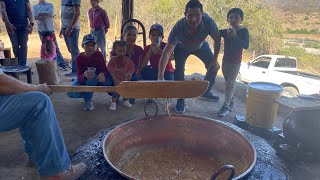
(91, 70)
(153, 53)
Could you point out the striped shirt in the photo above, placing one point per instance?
(67, 13)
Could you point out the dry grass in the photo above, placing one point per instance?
(293, 20)
(303, 36)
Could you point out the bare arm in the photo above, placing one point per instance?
(4, 12)
(75, 16)
(217, 45)
(10, 86)
(214, 64)
(167, 52)
(74, 19)
(115, 79)
(144, 61)
(30, 17)
(29, 12)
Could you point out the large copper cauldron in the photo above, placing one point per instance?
(177, 147)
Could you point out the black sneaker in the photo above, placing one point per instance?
(180, 107)
(63, 67)
(223, 111)
(132, 100)
(209, 96)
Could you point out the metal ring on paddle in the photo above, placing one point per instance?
(151, 102)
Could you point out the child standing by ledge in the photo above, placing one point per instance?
(236, 38)
(99, 24)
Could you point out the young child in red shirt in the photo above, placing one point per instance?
(121, 68)
(91, 70)
(99, 24)
(153, 53)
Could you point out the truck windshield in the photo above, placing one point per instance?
(286, 63)
(262, 62)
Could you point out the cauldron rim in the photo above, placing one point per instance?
(244, 174)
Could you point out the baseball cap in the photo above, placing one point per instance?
(157, 27)
(89, 38)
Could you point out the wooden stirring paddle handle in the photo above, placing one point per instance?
(144, 89)
(63, 88)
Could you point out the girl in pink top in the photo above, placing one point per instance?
(48, 48)
(121, 68)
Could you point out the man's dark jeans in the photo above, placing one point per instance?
(204, 54)
(19, 41)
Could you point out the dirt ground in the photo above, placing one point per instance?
(78, 125)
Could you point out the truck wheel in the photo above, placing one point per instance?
(289, 91)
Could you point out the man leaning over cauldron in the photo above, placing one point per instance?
(28, 108)
(188, 37)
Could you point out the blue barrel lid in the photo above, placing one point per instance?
(265, 87)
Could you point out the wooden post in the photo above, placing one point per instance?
(48, 72)
(127, 10)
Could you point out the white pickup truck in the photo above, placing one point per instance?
(281, 70)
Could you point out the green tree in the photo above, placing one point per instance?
(265, 28)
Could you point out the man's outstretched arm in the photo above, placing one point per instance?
(166, 54)
(10, 86)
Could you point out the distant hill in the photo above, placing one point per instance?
(295, 5)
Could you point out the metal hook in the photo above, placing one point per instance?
(150, 102)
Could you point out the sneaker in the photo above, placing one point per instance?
(63, 67)
(69, 63)
(209, 96)
(127, 103)
(132, 100)
(73, 173)
(113, 106)
(223, 111)
(180, 107)
(231, 106)
(71, 74)
(88, 105)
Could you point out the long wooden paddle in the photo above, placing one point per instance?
(144, 89)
